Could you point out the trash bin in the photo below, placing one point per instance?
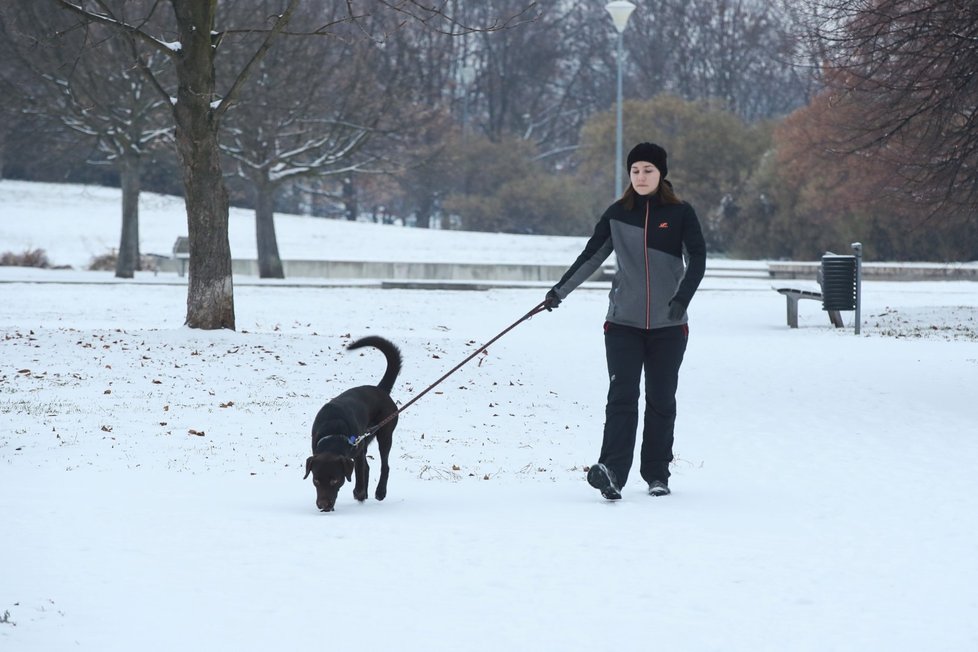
(838, 282)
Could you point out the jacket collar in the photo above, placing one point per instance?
(655, 199)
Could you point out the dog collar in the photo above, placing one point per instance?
(349, 439)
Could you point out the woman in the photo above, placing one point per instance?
(649, 229)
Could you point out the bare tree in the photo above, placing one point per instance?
(543, 81)
(307, 113)
(901, 78)
(432, 71)
(537, 82)
(112, 106)
(191, 40)
(741, 53)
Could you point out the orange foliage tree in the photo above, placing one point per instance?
(817, 190)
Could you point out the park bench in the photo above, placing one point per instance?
(794, 295)
(181, 253)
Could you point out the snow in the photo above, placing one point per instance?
(824, 492)
(88, 221)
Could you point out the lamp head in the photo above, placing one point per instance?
(620, 10)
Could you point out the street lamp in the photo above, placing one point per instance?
(620, 10)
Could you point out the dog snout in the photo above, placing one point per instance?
(325, 504)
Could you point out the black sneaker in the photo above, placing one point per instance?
(601, 478)
(658, 488)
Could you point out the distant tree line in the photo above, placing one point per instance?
(792, 127)
(886, 151)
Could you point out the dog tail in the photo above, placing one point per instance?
(390, 351)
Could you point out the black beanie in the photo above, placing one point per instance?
(650, 152)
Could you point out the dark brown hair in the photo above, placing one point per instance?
(665, 192)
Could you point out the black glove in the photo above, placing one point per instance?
(676, 310)
(551, 301)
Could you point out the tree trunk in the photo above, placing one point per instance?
(127, 262)
(426, 206)
(210, 293)
(350, 199)
(3, 147)
(269, 262)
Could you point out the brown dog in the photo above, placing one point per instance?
(335, 451)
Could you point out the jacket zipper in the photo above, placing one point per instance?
(648, 277)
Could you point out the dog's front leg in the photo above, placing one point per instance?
(385, 470)
(362, 471)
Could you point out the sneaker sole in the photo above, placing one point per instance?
(660, 491)
(597, 477)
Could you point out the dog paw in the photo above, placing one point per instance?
(360, 495)
(381, 494)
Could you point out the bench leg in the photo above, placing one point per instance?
(836, 318)
(792, 311)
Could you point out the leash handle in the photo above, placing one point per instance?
(536, 310)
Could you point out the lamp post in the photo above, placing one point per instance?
(620, 10)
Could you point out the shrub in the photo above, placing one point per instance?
(107, 262)
(104, 263)
(29, 258)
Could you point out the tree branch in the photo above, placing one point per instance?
(112, 21)
(280, 23)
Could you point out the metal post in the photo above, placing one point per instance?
(620, 10)
(618, 135)
(857, 248)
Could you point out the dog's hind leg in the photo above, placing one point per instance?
(384, 441)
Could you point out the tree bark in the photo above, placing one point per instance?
(127, 262)
(269, 262)
(210, 293)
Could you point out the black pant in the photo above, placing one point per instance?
(660, 352)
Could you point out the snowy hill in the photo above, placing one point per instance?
(75, 223)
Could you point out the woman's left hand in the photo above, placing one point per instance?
(676, 310)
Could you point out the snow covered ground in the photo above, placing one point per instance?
(88, 221)
(150, 475)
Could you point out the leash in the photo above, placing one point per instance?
(536, 310)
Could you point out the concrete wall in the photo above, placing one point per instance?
(342, 269)
(428, 271)
(406, 271)
(884, 271)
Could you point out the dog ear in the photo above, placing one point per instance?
(348, 466)
(308, 467)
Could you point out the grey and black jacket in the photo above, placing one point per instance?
(650, 242)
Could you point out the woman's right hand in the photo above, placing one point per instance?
(551, 301)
